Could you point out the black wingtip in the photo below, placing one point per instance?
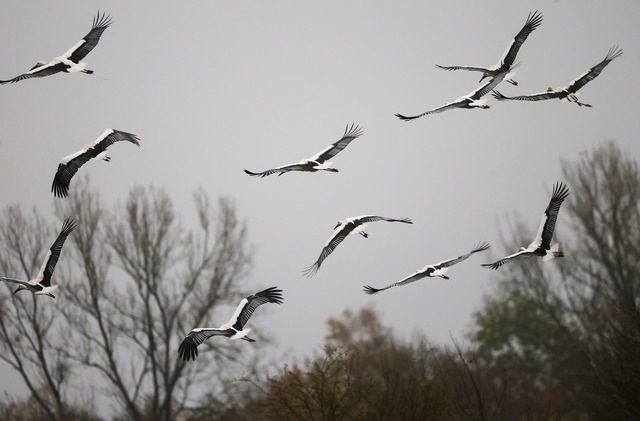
(560, 191)
(255, 174)
(370, 290)
(497, 95)
(353, 131)
(273, 294)
(102, 21)
(68, 225)
(489, 266)
(405, 118)
(310, 271)
(480, 247)
(186, 351)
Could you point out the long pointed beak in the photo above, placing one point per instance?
(16, 291)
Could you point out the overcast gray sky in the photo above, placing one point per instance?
(214, 87)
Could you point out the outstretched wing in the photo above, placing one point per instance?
(281, 170)
(411, 278)
(372, 218)
(111, 136)
(445, 107)
(451, 262)
(13, 281)
(248, 305)
(548, 223)
(593, 72)
(533, 97)
(470, 68)
(533, 21)
(336, 238)
(39, 71)
(188, 348)
(67, 168)
(522, 254)
(86, 44)
(50, 260)
(329, 152)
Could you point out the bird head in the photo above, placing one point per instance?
(39, 64)
(484, 76)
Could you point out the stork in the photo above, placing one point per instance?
(541, 245)
(469, 101)
(69, 165)
(234, 328)
(569, 92)
(507, 61)
(41, 284)
(70, 61)
(343, 228)
(318, 162)
(432, 271)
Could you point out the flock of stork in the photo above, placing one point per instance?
(71, 62)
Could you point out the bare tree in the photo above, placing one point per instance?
(134, 280)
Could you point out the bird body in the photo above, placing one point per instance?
(69, 165)
(568, 92)
(41, 284)
(541, 245)
(344, 227)
(318, 162)
(70, 61)
(234, 328)
(507, 61)
(431, 271)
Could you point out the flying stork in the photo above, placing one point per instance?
(233, 329)
(508, 59)
(69, 62)
(69, 165)
(469, 101)
(541, 246)
(432, 271)
(569, 92)
(352, 225)
(41, 284)
(318, 161)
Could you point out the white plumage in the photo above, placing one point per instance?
(569, 92)
(432, 271)
(234, 328)
(41, 284)
(507, 61)
(469, 101)
(318, 162)
(343, 228)
(70, 61)
(541, 245)
(69, 165)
